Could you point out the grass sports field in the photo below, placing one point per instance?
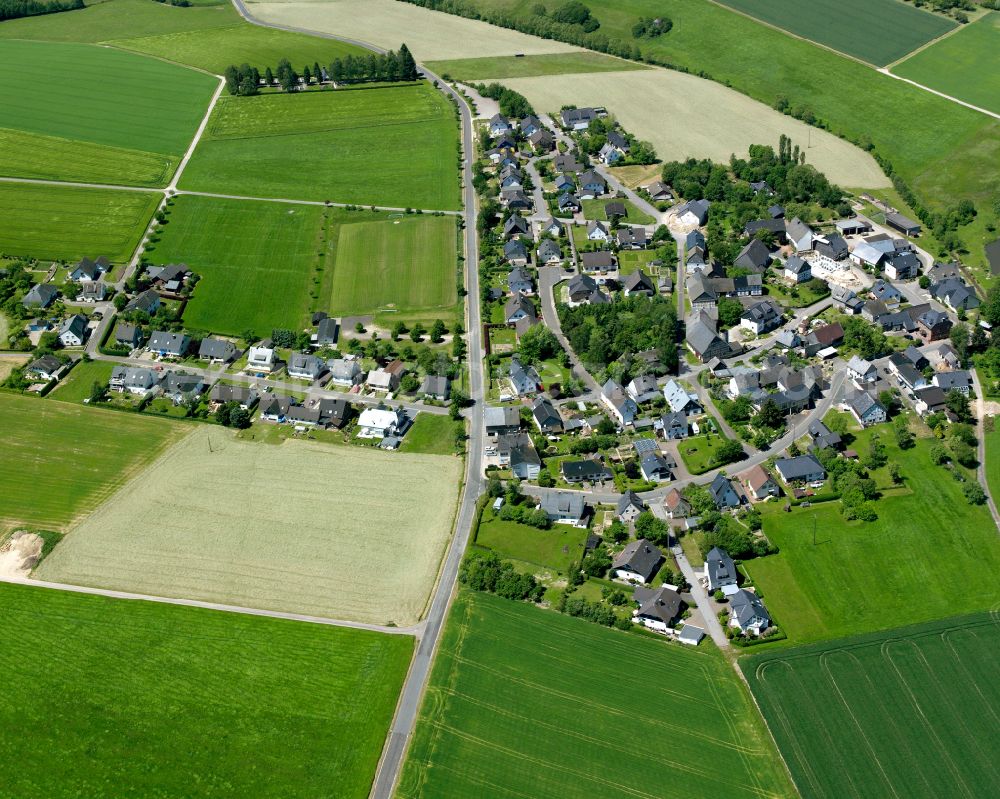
(292, 527)
(64, 222)
(528, 702)
(965, 65)
(395, 146)
(60, 461)
(900, 569)
(687, 116)
(406, 263)
(876, 31)
(121, 111)
(385, 23)
(912, 712)
(497, 67)
(214, 49)
(161, 700)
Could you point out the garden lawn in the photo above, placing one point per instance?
(630, 261)
(594, 209)
(432, 434)
(290, 527)
(66, 222)
(404, 264)
(698, 452)
(900, 569)
(120, 112)
(965, 65)
(500, 67)
(255, 261)
(161, 700)
(59, 461)
(394, 146)
(876, 31)
(556, 549)
(214, 49)
(527, 702)
(79, 383)
(912, 712)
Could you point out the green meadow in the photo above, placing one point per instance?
(60, 461)
(155, 700)
(528, 702)
(912, 712)
(394, 146)
(529, 66)
(66, 222)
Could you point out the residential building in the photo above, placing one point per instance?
(643, 388)
(822, 437)
(577, 118)
(655, 468)
(681, 400)
(823, 337)
(246, 396)
(659, 191)
(261, 360)
(622, 406)
(638, 562)
(381, 422)
(327, 331)
(386, 378)
(180, 387)
(565, 507)
(134, 380)
(89, 270)
(585, 471)
(592, 184)
(598, 231)
(45, 368)
(676, 506)
(702, 338)
(755, 256)
(549, 252)
(524, 379)
(305, 367)
(92, 291)
(436, 387)
(173, 345)
(601, 263)
(861, 371)
(515, 253)
(760, 485)
(799, 235)
(762, 317)
(933, 326)
(797, 270)
(659, 608)
(960, 380)
(632, 238)
(216, 350)
(501, 420)
(545, 416)
(723, 493)
(720, 571)
(147, 301)
(344, 372)
(865, 408)
(747, 613)
(637, 283)
(518, 307)
(516, 225)
(694, 212)
(800, 469)
(674, 425)
(127, 335)
(831, 245)
(73, 331)
(629, 507)
(41, 295)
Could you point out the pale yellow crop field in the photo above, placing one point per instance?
(335, 531)
(430, 35)
(685, 116)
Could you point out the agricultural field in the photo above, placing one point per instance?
(163, 700)
(876, 31)
(113, 19)
(965, 65)
(900, 569)
(66, 222)
(214, 49)
(528, 702)
(403, 264)
(333, 545)
(156, 108)
(394, 146)
(911, 712)
(432, 36)
(499, 67)
(993, 461)
(60, 461)
(685, 116)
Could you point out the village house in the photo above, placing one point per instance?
(723, 493)
(720, 571)
(165, 344)
(760, 485)
(73, 331)
(134, 380)
(147, 301)
(655, 468)
(89, 270)
(549, 252)
(960, 380)
(518, 307)
(694, 213)
(861, 371)
(638, 284)
(127, 335)
(797, 270)
(583, 290)
(622, 406)
(45, 368)
(659, 608)
(244, 396)
(435, 387)
(933, 326)
(587, 470)
(755, 256)
(381, 422)
(501, 420)
(800, 469)
(598, 231)
(673, 425)
(629, 507)
(524, 379)
(41, 295)
(344, 372)
(865, 408)
(327, 331)
(92, 291)
(305, 367)
(545, 416)
(578, 119)
(762, 317)
(386, 378)
(216, 350)
(261, 360)
(638, 562)
(181, 387)
(601, 263)
(515, 226)
(643, 388)
(747, 613)
(675, 505)
(565, 507)
(515, 253)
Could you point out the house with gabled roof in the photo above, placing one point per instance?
(959, 380)
(166, 344)
(659, 608)
(800, 469)
(747, 613)
(523, 378)
(675, 505)
(865, 408)
(568, 202)
(73, 331)
(577, 118)
(629, 507)
(655, 468)
(518, 307)
(515, 253)
(516, 225)
(598, 231)
(755, 256)
(499, 125)
(549, 252)
(621, 405)
(41, 295)
(216, 350)
(565, 507)
(519, 281)
(762, 317)
(694, 212)
(797, 270)
(799, 235)
(592, 184)
(135, 380)
(638, 562)
(659, 191)
(723, 493)
(681, 400)
(760, 485)
(45, 368)
(545, 416)
(861, 371)
(304, 366)
(720, 571)
(637, 283)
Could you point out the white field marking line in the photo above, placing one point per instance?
(885, 71)
(970, 679)
(726, 713)
(172, 186)
(74, 184)
(415, 630)
(495, 790)
(850, 711)
(322, 203)
(944, 757)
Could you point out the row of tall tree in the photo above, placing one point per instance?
(13, 9)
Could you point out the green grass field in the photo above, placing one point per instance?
(901, 569)
(876, 31)
(432, 434)
(214, 49)
(121, 111)
(527, 702)
(407, 264)
(966, 65)
(65, 222)
(556, 549)
(912, 712)
(993, 462)
(60, 460)
(395, 146)
(114, 19)
(78, 384)
(527, 66)
(698, 452)
(594, 209)
(161, 700)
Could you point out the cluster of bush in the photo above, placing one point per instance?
(486, 571)
(513, 105)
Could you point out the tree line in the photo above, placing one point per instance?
(391, 67)
(14, 9)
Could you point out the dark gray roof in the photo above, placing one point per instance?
(589, 470)
(641, 557)
(747, 606)
(216, 348)
(629, 500)
(662, 604)
(571, 504)
(799, 467)
(720, 567)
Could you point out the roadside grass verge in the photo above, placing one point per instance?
(888, 713)
(67, 222)
(500, 67)
(395, 146)
(184, 701)
(60, 461)
(532, 701)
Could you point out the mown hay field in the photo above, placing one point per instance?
(497, 67)
(67, 222)
(430, 35)
(59, 461)
(394, 146)
(684, 116)
(162, 700)
(117, 107)
(528, 702)
(912, 712)
(965, 65)
(876, 31)
(344, 532)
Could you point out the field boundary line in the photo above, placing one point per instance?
(885, 71)
(415, 631)
(76, 185)
(931, 43)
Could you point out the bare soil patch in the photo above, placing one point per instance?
(19, 554)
